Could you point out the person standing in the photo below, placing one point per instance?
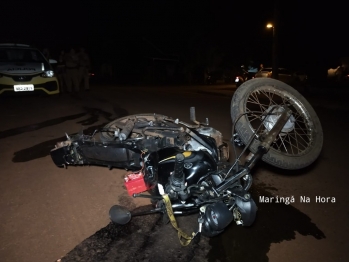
(61, 72)
(72, 71)
(46, 53)
(84, 69)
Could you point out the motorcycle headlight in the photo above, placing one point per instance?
(48, 73)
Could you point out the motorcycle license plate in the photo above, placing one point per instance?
(21, 88)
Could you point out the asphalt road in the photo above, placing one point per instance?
(49, 213)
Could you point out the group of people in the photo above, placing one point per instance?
(73, 70)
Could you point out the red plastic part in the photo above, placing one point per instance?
(135, 184)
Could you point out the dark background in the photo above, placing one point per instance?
(198, 34)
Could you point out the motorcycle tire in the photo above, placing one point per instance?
(299, 143)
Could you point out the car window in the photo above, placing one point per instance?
(20, 55)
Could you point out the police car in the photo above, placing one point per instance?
(24, 69)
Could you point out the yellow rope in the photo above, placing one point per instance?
(184, 238)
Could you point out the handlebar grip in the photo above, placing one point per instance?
(192, 114)
(178, 168)
(125, 132)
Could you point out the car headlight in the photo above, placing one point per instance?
(48, 73)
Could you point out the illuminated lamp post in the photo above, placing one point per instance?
(274, 56)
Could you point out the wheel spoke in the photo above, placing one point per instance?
(290, 142)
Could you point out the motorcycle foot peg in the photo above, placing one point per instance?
(146, 196)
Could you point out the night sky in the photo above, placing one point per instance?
(125, 31)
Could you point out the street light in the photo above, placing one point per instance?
(274, 64)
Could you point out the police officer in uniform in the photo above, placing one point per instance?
(60, 70)
(72, 70)
(84, 69)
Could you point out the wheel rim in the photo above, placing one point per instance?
(297, 135)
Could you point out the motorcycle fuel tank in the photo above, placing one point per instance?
(196, 165)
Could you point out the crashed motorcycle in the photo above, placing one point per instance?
(184, 168)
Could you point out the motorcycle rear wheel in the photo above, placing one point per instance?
(297, 146)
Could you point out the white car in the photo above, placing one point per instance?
(24, 69)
